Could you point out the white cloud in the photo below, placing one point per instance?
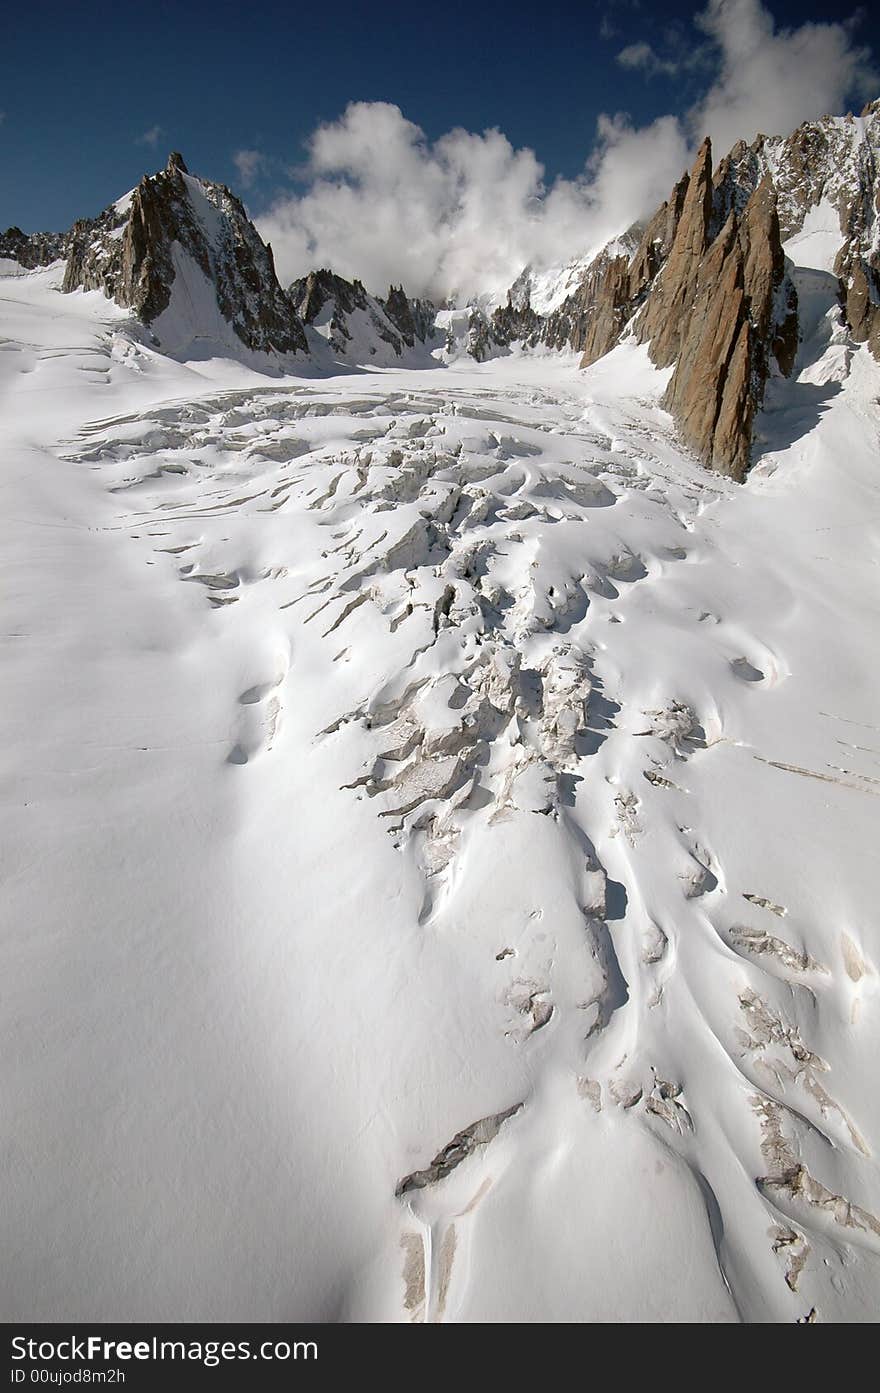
(150, 137)
(464, 214)
(642, 55)
(771, 80)
(250, 164)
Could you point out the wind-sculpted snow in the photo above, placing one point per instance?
(458, 807)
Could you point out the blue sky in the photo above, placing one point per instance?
(94, 96)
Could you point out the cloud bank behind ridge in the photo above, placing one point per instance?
(466, 212)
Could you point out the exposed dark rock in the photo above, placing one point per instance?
(414, 319)
(463, 1144)
(727, 333)
(33, 249)
(616, 283)
(591, 318)
(704, 283)
(397, 321)
(480, 341)
(832, 160)
(710, 276)
(710, 297)
(861, 299)
(129, 253)
(516, 322)
(663, 322)
(602, 307)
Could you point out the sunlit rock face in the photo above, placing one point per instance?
(178, 246)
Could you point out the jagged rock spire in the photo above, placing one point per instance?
(136, 250)
(398, 321)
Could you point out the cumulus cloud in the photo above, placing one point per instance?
(771, 80)
(250, 165)
(463, 214)
(150, 137)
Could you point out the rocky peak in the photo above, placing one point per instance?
(354, 322)
(663, 319)
(735, 323)
(704, 283)
(832, 162)
(413, 318)
(721, 310)
(599, 309)
(399, 311)
(182, 254)
(310, 293)
(716, 301)
(33, 249)
(656, 242)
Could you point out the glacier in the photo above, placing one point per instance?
(439, 831)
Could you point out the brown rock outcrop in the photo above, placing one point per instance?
(614, 287)
(833, 161)
(129, 251)
(861, 300)
(728, 335)
(604, 304)
(663, 321)
(710, 297)
(704, 286)
(657, 239)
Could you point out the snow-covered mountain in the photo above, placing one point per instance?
(439, 814)
(359, 327)
(704, 283)
(183, 255)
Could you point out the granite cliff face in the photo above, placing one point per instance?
(704, 284)
(710, 297)
(350, 319)
(723, 310)
(705, 287)
(414, 319)
(594, 313)
(743, 314)
(176, 237)
(830, 164)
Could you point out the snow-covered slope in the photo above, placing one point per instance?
(438, 838)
